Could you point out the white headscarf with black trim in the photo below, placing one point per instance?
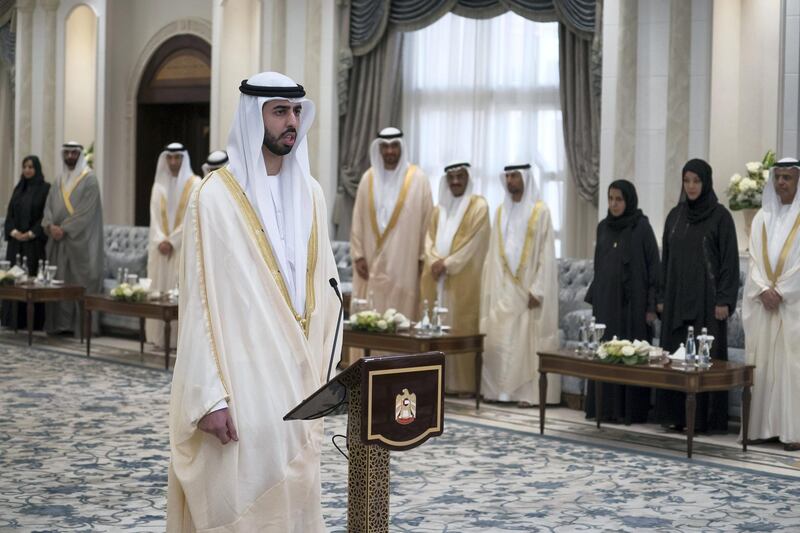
(246, 163)
(69, 176)
(779, 218)
(387, 183)
(451, 209)
(514, 222)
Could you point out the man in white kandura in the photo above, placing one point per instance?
(455, 250)
(257, 325)
(172, 188)
(771, 310)
(519, 304)
(390, 219)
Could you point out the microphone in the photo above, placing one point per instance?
(335, 287)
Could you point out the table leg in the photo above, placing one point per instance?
(87, 326)
(141, 335)
(598, 401)
(691, 404)
(167, 332)
(478, 378)
(745, 416)
(542, 399)
(29, 316)
(82, 306)
(15, 314)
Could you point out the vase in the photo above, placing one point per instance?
(748, 214)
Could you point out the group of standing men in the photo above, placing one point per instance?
(502, 283)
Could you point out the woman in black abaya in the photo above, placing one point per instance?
(623, 294)
(699, 286)
(24, 233)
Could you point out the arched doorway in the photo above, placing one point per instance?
(172, 105)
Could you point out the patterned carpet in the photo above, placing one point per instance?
(83, 447)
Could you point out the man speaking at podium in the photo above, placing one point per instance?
(257, 324)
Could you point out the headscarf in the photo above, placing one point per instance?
(387, 183)
(632, 213)
(778, 219)
(69, 176)
(515, 215)
(173, 185)
(36, 179)
(216, 159)
(451, 209)
(702, 207)
(246, 163)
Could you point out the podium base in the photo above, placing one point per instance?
(368, 474)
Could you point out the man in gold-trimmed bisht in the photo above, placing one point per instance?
(172, 187)
(390, 219)
(771, 307)
(519, 304)
(455, 250)
(73, 221)
(256, 328)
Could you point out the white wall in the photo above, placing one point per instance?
(683, 80)
(135, 30)
(80, 76)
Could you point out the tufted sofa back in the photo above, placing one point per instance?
(125, 247)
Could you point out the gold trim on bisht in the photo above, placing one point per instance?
(203, 289)
(526, 248)
(260, 236)
(787, 247)
(180, 213)
(398, 207)
(65, 194)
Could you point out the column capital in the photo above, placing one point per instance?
(25, 6)
(49, 5)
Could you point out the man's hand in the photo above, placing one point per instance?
(659, 308)
(18, 235)
(56, 232)
(361, 268)
(220, 424)
(650, 317)
(533, 302)
(721, 312)
(771, 299)
(438, 268)
(165, 248)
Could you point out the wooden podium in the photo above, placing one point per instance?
(393, 402)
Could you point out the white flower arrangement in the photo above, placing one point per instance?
(387, 322)
(129, 293)
(624, 351)
(745, 192)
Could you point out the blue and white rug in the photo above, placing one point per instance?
(84, 447)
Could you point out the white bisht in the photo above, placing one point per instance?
(247, 342)
(521, 262)
(390, 220)
(169, 199)
(771, 337)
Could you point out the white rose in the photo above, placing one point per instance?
(127, 292)
(747, 184)
(736, 178)
(399, 318)
(628, 351)
(382, 324)
(753, 167)
(602, 353)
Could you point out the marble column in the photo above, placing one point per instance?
(49, 148)
(24, 75)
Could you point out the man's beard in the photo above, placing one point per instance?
(273, 145)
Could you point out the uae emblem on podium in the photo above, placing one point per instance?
(405, 407)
